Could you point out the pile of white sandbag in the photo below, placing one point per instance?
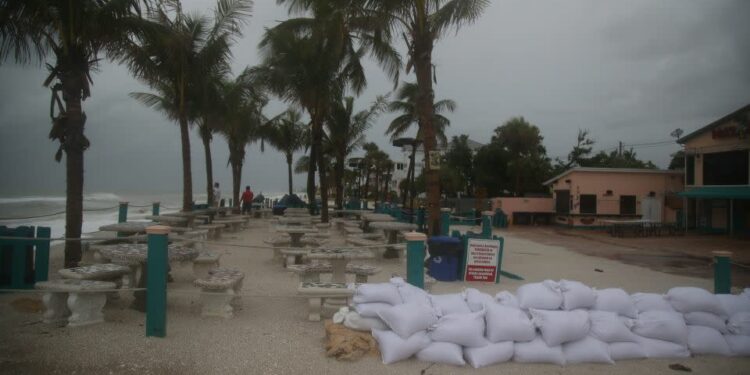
(555, 322)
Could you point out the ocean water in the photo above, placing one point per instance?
(99, 209)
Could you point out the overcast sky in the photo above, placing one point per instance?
(630, 71)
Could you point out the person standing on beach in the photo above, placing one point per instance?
(247, 200)
(217, 195)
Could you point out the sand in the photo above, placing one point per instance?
(270, 333)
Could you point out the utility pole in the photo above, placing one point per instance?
(620, 149)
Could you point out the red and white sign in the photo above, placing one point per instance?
(481, 260)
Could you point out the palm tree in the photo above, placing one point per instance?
(346, 133)
(423, 22)
(186, 48)
(288, 134)
(368, 165)
(72, 35)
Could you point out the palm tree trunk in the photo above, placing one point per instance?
(376, 193)
(367, 183)
(74, 146)
(323, 189)
(289, 171)
(236, 178)
(422, 56)
(209, 167)
(339, 180)
(187, 176)
(412, 171)
(317, 139)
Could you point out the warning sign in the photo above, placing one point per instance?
(482, 260)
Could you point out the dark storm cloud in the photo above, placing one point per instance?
(629, 71)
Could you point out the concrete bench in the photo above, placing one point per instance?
(293, 256)
(74, 302)
(214, 230)
(368, 236)
(352, 230)
(234, 225)
(317, 293)
(219, 291)
(311, 272)
(204, 264)
(202, 219)
(113, 273)
(371, 245)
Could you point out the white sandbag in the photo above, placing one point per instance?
(708, 341)
(442, 352)
(466, 329)
(650, 301)
(661, 325)
(489, 354)
(544, 295)
(614, 300)
(394, 348)
(359, 323)
(576, 295)
(408, 318)
(738, 344)
(453, 303)
(587, 350)
(559, 327)
(410, 293)
(537, 351)
(700, 318)
(476, 300)
(739, 323)
(733, 304)
(620, 351)
(380, 292)
(508, 324)
(663, 349)
(687, 299)
(507, 298)
(609, 327)
(370, 310)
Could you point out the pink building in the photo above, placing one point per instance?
(587, 196)
(523, 210)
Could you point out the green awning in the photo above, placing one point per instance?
(718, 192)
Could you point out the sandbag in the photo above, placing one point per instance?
(663, 349)
(739, 323)
(705, 340)
(587, 350)
(559, 327)
(544, 295)
(453, 303)
(507, 298)
(442, 352)
(370, 310)
(508, 324)
(619, 351)
(360, 323)
(700, 318)
(687, 299)
(738, 344)
(380, 292)
(576, 295)
(614, 300)
(650, 301)
(410, 293)
(661, 325)
(489, 354)
(466, 329)
(609, 327)
(476, 300)
(733, 304)
(408, 318)
(537, 351)
(394, 348)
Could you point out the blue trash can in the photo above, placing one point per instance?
(445, 254)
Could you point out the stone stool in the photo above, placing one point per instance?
(74, 302)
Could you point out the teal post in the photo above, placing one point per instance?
(420, 219)
(487, 224)
(41, 257)
(398, 214)
(473, 220)
(18, 268)
(122, 216)
(445, 221)
(156, 281)
(415, 258)
(155, 208)
(722, 272)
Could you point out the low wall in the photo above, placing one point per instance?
(510, 205)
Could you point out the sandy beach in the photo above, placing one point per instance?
(269, 334)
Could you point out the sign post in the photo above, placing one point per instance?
(483, 257)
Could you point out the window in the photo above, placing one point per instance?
(690, 170)
(725, 168)
(627, 205)
(562, 202)
(588, 204)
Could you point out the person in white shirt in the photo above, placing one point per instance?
(217, 195)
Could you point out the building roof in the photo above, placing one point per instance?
(714, 124)
(610, 170)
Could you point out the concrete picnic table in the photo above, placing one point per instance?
(169, 220)
(355, 213)
(338, 258)
(129, 227)
(295, 220)
(391, 229)
(368, 218)
(233, 223)
(296, 233)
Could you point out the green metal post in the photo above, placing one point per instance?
(155, 208)
(18, 266)
(415, 258)
(722, 272)
(41, 257)
(473, 220)
(156, 282)
(487, 224)
(420, 219)
(445, 221)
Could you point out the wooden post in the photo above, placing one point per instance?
(415, 258)
(41, 257)
(155, 208)
(722, 272)
(487, 224)
(445, 221)
(156, 284)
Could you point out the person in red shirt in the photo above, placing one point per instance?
(247, 200)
